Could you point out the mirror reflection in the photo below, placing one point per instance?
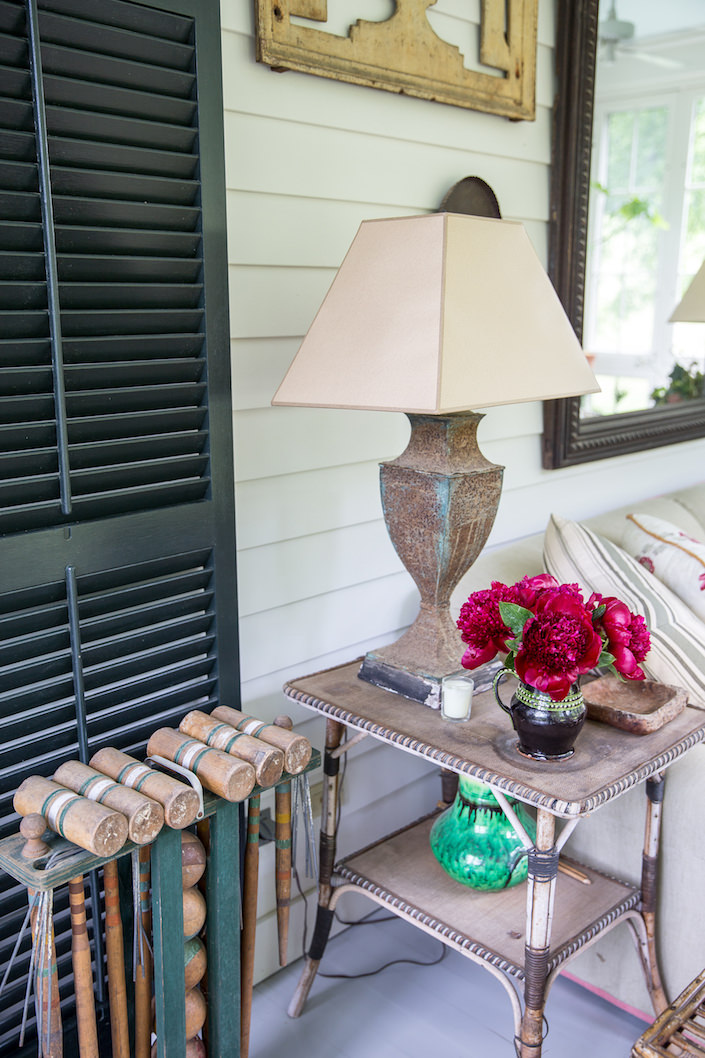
(646, 227)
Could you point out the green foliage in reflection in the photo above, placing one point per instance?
(628, 209)
(686, 384)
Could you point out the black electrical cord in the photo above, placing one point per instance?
(367, 920)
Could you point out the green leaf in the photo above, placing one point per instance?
(605, 658)
(514, 617)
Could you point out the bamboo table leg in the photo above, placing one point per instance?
(649, 891)
(543, 870)
(324, 916)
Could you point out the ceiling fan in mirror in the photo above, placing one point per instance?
(615, 39)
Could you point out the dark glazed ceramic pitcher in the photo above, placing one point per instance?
(547, 729)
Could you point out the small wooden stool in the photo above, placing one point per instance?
(680, 1030)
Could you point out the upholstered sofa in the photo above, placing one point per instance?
(592, 554)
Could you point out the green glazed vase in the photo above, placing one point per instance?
(475, 843)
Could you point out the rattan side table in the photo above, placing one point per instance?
(526, 937)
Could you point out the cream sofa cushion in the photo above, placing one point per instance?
(575, 554)
(671, 555)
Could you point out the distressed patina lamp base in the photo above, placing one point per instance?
(440, 499)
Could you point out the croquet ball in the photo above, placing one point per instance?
(194, 961)
(193, 859)
(194, 912)
(195, 1011)
(195, 1048)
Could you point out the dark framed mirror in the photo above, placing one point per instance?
(572, 434)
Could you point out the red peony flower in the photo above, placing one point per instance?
(558, 645)
(530, 589)
(481, 626)
(550, 635)
(626, 633)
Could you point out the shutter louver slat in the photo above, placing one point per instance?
(109, 212)
(107, 375)
(159, 446)
(148, 472)
(155, 321)
(24, 379)
(67, 29)
(18, 145)
(106, 98)
(21, 266)
(69, 62)
(100, 127)
(24, 324)
(18, 176)
(11, 18)
(138, 269)
(106, 348)
(20, 464)
(121, 295)
(20, 236)
(118, 157)
(19, 205)
(154, 21)
(120, 241)
(106, 184)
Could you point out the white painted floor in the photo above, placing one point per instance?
(454, 1009)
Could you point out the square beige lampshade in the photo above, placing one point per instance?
(691, 308)
(437, 314)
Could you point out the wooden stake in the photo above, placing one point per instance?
(143, 969)
(282, 854)
(46, 982)
(117, 992)
(249, 923)
(82, 973)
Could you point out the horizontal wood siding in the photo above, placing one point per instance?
(319, 583)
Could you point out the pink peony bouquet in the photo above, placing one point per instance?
(550, 635)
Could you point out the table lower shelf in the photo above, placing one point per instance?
(402, 873)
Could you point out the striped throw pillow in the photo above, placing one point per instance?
(573, 553)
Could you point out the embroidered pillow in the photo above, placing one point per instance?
(572, 552)
(671, 555)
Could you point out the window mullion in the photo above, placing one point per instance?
(44, 177)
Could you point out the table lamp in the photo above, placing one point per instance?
(434, 316)
(691, 307)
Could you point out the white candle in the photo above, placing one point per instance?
(456, 697)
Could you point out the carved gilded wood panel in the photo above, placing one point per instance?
(404, 54)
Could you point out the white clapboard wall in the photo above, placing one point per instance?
(307, 160)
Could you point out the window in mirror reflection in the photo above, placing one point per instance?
(646, 230)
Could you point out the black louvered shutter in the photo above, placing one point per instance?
(117, 544)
